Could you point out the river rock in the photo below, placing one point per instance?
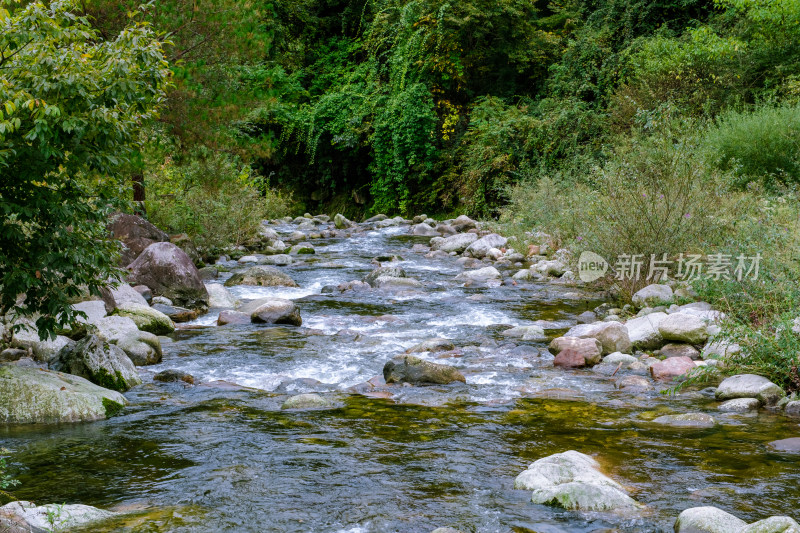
(136, 234)
(613, 336)
(219, 296)
(720, 349)
(707, 520)
(29, 518)
(169, 272)
(33, 395)
(306, 401)
(278, 260)
(671, 368)
(480, 275)
(262, 276)
(341, 222)
(463, 223)
(446, 530)
(633, 384)
(392, 283)
(303, 248)
(423, 230)
(208, 273)
(101, 363)
(679, 350)
(124, 294)
(433, 345)
(232, 317)
(684, 327)
(410, 369)
(176, 314)
(569, 358)
(147, 319)
(553, 268)
(687, 420)
(532, 333)
(653, 295)
(643, 331)
(172, 375)
(455, 243)
(142, 347)
(44, 351)
(740, 405)
(790, 445)
(793, 409)
(273, 311)
(480, 248)
(589, 349)
(394, 272)
(94, 310)
(749, 386)
(574, 481)
(773, 524)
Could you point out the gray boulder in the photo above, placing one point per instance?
(392, 283)
(684, 327)
(124, 294)
(394, 272)
(22, 516)
(262, 276)
(455, 243)
(341, 222)
(44, 351)
(219, 296)
(169, 272)
(740, 405)
(101, 363)
(36, 396)
(147, 319)
(142, 347)
(773, 524)
(480, 275)
(273, 311)
(707, 520)
(653, 295)
(433, 345)
(573, 481)
(410, 369)
(643, 331)
(423, 230)
(750, 386)
(481, 247)
(613, 336)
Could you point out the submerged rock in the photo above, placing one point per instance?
(101, 363)
(574, 481)
(791, 445)
(410, 369)
(707, 520)
(306, 401)
(33, 395)
(22, 516)
(750, 386)
(687, 420)
(262, 276)
(170, 375)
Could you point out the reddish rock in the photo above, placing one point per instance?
(680, 350)
(590, 349)
(671, 368)
(136, 234)
(169, 272)
(232, 317)
(569, 358)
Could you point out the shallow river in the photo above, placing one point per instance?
(225, 457)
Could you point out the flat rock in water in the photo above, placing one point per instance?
(687, 420)
(262, 276)
(306, 401)
(573, 481)
(791, 445)
(410, 369)
(33, 395)
(750, 386)
(740, 405)
(32, 518)
(707, 520)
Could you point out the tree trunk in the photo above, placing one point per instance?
(138, 193)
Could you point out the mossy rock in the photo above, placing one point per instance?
(147, 319)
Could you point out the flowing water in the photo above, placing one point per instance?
(223, 456)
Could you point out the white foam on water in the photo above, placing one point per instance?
(476, 317)
(248, 292)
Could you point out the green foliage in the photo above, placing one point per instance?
(72, 106)
(762, 145)
(6, 481)
(211, 196)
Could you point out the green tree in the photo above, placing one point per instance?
(71, 108)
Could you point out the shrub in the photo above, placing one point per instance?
(763, 145)
(212, 197)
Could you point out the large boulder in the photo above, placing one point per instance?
(480, 275)
(684, 327)
(147, 319)
(124, 294)
(341, 222)
(272, 311)
(262, 276)
(44, 351)
(22, 516)
(136, 234)
(707, 520)
(463, 223)
(573, 481)
(454, 243)
(481, 247)
(613, 336)
(653, 295)
(142, 347)
(169, 272)
(410, 369)
(750, 386)
(423, 230)
(393, 272)
(773, 524)
(101, 363)
(671, 368)
(36, 396)
(219, 296)
(643, 331)
(589, 350)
